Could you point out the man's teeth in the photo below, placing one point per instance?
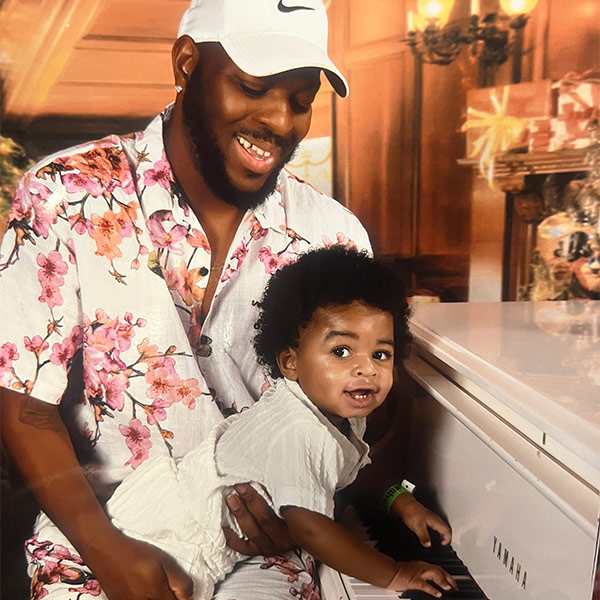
(244, 142)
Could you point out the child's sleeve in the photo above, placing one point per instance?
(301, 468)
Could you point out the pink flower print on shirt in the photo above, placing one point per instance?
(114, 386)
(107, 235)
(257, 231)
(148, 353)
(160, 174)
(29, 205)
(197, 239)
(169, 237)
(270, 260)
(77, 182)
(341, 240)
(186, 391)
(162, 382)
(185, 282)
(37, 345)
(90, 587)
(8, 354)
(156, 411)
(64, 351)
(274, 261)
(137, 438)
(52, 268)
(81, 225)
(50, 295)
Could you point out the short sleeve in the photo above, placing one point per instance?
(40, 313)
(302, 466)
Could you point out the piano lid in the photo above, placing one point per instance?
(538, 361)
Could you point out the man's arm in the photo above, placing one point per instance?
(334, 545)
(36, 438)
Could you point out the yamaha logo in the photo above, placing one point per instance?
(510, 563)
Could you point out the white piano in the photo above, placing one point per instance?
(505, 434)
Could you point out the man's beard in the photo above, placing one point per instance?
(209, 158)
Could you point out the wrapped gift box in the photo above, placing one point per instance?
(541, 133)
(521, 101)
(578, 104)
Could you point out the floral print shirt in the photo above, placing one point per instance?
(102, 275)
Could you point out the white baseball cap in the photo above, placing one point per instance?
(265, 37)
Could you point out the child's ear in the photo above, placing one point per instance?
(286, 361)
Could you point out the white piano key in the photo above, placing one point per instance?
(366, 590)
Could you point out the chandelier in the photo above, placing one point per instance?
(491, 38)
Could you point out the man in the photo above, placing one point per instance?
(128, 278)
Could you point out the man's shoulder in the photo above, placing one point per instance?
(107, 145)
(297, 192)
(324, 219)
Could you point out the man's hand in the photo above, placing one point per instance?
(420, 519)
(266, 534)
(128, 569)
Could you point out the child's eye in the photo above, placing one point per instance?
(341, 351)
(382, 355)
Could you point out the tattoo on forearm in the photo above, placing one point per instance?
(38, 414)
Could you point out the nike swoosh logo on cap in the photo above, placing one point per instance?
(288, 9)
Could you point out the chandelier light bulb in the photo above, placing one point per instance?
(517, 7)
(435, 10)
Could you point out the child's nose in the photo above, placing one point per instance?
(365, 367)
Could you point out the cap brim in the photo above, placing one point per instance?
(272, 53)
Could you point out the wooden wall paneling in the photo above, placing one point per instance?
(380, 166)
(445, 198)
(487, 240)
(373, 127)
(573, 39)
(138, 20)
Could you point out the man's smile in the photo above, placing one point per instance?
(256, 158)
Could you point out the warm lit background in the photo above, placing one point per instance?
(79, 69)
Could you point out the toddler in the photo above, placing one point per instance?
(330, 328)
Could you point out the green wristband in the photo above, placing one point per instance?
(390, 495)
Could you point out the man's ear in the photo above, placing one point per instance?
(286, 361)
(184, 57)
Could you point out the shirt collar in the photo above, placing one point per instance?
(270, 214)
(357, 425)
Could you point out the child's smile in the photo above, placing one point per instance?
(344, 360)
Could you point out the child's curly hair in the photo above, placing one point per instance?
(331, 276)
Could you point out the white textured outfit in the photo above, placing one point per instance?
(102, 274)
(291, 453)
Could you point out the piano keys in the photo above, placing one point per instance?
(504, 440)
(401, 544)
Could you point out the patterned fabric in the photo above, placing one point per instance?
(102, 273)
(58, 574)
(291, 451)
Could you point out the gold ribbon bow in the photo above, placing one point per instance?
(500, 132)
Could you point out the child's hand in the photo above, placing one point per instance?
(417, 575)
(419, 519)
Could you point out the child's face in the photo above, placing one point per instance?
(344, 359)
